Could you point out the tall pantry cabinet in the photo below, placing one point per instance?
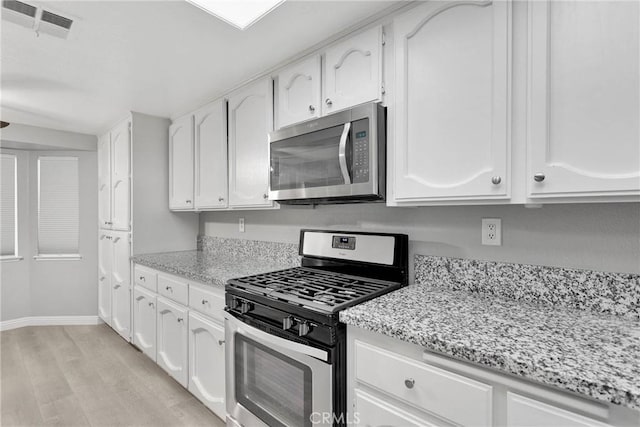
(133, 177)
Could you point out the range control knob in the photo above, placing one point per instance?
(287, 323)
(245, 307)
(303, 328)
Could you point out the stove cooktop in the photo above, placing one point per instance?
(313, 288)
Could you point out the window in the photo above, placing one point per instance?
(58, 207)
(9, 207)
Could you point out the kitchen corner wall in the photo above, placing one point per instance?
(602, 236)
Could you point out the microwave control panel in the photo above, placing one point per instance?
(360, 138)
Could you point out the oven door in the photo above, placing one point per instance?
(272, 381)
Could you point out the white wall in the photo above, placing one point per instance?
(589, 236)
(27, 137)
(52, 288)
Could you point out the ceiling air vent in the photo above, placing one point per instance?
(53, 24)
(19, 13)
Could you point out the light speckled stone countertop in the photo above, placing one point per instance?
(592, 354)
(210, 268)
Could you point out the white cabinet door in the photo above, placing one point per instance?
(372, 412)
(105, 256)
(211, 156)
(298, 93)
(353, 71)
(206, 363)
(525, 412)
(104, 181)
(121, 176)
(172, 339)
(584, 132)
(144, 321)
(181, 164)
(452, 66)
(250, 121)
(121, 284)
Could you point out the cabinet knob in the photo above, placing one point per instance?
(328, 102)
(169, 288)
(312, 109)
(409, 382)
(151, 304)
(496, 180)
(205, 302)
(188, 201)
(539, 177)
(220, 342)
(142, 278)
(180, 319)
(265, 196)
(221, 199)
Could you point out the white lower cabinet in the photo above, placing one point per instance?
(523, 411)
(172, 339)
(114, 281)
(372, 412)
(206, 362)
(144, 326)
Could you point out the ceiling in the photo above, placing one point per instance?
(162, 58)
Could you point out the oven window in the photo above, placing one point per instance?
(274, 387)
(306, 161)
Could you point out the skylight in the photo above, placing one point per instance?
(239, 13)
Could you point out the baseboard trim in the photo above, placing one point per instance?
(49, 321)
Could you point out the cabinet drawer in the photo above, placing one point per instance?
(207, 302)
(173, 288)
(428, 388)
(371, 411)
(145, 277)
(525, 412)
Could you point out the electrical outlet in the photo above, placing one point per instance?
(241, 225)
(492, 231)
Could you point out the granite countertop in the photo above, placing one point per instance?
(209, 268)
(593, 354)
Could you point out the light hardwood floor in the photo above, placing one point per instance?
(88, 375)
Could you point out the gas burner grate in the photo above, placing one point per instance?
(316, 289)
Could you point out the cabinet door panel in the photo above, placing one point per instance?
(353, 71)
(121, 176)
(299, 92)
(105, 255)
(211, 156)
(250, 122)
(144, 321)
(452, 67)
(206, 363)
(104, 181)
(121, 284)
(172, 340)
(584, 133)
(181, 164)
(526, 412)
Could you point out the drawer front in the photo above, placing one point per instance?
(145, 277)
(173, 288)
(428, 388)
(371, 411)
(208, 302)
(525, 412)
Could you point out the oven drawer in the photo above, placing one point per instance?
(145, 277)
(428, 388)
(209, 302)
(173, 288)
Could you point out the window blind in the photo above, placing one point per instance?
(58, 206)
(8, 199)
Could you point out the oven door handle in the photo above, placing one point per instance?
(342, 153)
(259, 335)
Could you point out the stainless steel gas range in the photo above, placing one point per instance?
(286, 349)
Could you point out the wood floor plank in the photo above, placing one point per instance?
(88, 375)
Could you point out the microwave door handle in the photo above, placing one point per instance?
(342, 153)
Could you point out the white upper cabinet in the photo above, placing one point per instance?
(584, 130)
(250, 121)
(452, 66)
(353, 71)
(121, 176)
(104, 181)
(181, 158)
(298, 92)
(211, 156)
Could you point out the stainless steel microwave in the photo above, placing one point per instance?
(340, 158)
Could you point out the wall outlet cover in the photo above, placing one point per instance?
(492, 231)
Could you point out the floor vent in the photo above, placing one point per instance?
(36, 18)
